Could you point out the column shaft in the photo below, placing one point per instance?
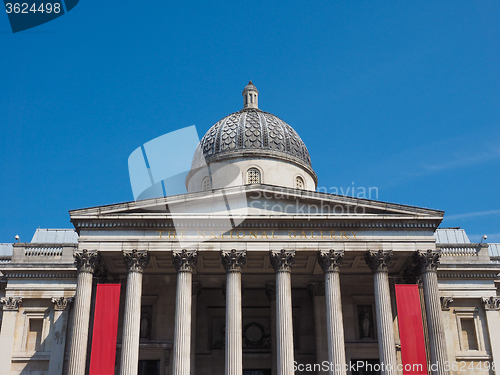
(385, 329)
(81, 313)
(7, 332)
(131, 325)
(284, 324)
(182, 332)
(334, 323)
(58, 333)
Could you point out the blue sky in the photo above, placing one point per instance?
(402, 96)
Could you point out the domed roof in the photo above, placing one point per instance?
(252, 134)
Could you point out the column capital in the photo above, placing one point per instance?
(11, 303)
(87, 261)
(233, 260)
(330, 260)
(62, 303)
(445, 303)
(378, 260)
(491, 304)
(271, 292)
(135, 260)
(316, 289)
(184, 260)
(427, 261)
(282, 260)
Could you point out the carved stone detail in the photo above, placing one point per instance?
(491, 304)
(378, 260)
(283, 260)
(445, 303)
(316, 289)
(135, 260)
(233, 260)
(184, 260)
(62, 303)
(271, 292)
(11, 303)
(87, 261)
(427, 260)
(330, 261)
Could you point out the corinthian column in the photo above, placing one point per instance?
(86, 263)
(233, 261)
(10, 308)
(492, 306)
(184, 262)
(330, 262)
(378, 262)
(58, 333)
(135, 262)
(282, 262)
(428, 262)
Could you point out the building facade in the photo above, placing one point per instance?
(255, 274)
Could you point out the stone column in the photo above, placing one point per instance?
(184, 262)
(86, 263)
(317, 293)
(135, 262)
(195, 292)
(58, 333)
(428, 262)
(330, 262)
(271, 296)
(492, 307)
(282, 262)
(378, 262)
(10, 308)
(233, 262)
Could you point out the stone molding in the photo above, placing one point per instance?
(11, 303)
(491, 304)
(331, 260)
(378, 260)
(316, 289)
(282, 260)
(136, 260)
(62, 303)
(87, 261)
(445, 303)
(184, 260)
(271, 292)
(233, 260)
(427, 261)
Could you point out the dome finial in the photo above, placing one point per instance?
(250, 96)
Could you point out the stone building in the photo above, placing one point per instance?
(262, 275)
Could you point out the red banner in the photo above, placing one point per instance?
(107, 303)
(411, 330)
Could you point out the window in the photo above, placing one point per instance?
(205, 184)
(299, 182)
(253, 176)
(34, 336)
(469, 339)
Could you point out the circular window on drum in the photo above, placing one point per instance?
(299, 182)
(253, 176)
(205, 184)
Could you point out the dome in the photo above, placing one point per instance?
(257, 147)
(253, 133)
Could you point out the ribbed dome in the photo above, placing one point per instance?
(254, 133)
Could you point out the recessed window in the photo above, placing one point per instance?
(34, 336)
(299, 182)
(469, 338)
(253, 176)
(205, 184)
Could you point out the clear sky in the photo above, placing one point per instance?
(403, 96)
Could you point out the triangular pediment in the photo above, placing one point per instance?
(257, 201)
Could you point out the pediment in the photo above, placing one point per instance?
(257, 201)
